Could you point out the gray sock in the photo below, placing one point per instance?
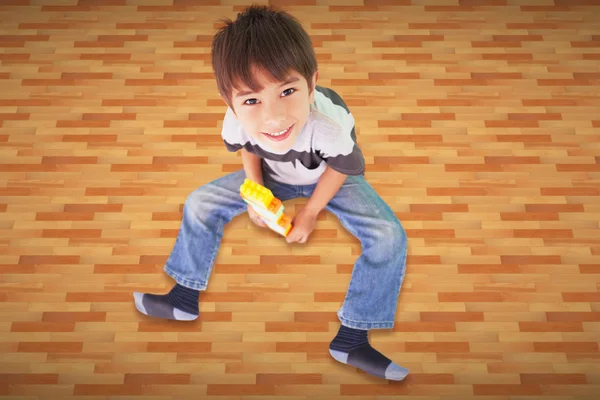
(180, 304)
(351, 346)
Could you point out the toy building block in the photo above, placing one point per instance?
(267, 206)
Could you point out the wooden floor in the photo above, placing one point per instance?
(480, 126)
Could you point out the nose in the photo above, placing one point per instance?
(274, 113)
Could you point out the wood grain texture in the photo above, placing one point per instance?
(480, 125)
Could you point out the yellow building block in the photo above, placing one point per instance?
(256, 193)
(266, 205)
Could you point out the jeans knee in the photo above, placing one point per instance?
(193, 199)
(197, 203)
(389, 236)
(396, 235)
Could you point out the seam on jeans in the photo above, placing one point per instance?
(367, 325)
(343, 223)
(178, 278)
(352, 276)
(368, 322)
(402, 274)
(216, 246)
(211, 262)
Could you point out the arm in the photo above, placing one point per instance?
(304, 222)
(328, 185)
(252, 166)
(253, 169)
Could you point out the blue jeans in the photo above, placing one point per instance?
(377, 276)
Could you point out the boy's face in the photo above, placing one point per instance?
(275, 116)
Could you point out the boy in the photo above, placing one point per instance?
(297, 139)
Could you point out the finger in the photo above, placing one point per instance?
(296, 237)
(291, 238)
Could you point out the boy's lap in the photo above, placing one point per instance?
(355, 195)
(228, 187)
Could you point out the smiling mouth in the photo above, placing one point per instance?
(279, 136)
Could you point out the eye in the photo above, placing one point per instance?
(286, 92)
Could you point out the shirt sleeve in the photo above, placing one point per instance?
(339, 149)
(232, 133)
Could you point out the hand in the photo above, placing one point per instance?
(254, 217)
(302, 226)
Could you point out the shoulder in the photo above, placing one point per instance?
(231, 126)
(329, 103)
(233, 134)
(329, 99)
(333, 121)
(335, 136)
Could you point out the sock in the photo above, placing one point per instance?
(351, 346)
(181, 304)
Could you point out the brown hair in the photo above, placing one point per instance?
(269, 39)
